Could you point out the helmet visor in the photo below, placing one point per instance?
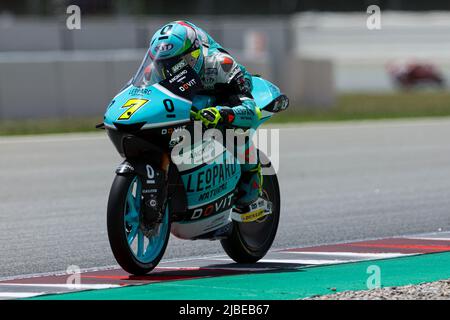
(154, 70)
(171, 66)
(148, 73)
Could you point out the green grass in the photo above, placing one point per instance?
(46, 126)
(372, 106)
(348, 107)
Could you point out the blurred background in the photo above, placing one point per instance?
(321, 53)
(339, 182)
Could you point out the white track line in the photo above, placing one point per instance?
(105, 268)
(338, 242)
(429, 238)
(298, 261)
(352, 254)
(20, 294)
(304, 261)
(218, 268)
(62, 285)
(57, 273)
(206, 257)
(53, 138)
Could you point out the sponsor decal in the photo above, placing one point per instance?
(217, 206)
(179, 66)
(212, 176)
(236, 72)
(279, 104)
(252, 216)
(211, 194)
(131, 107)
(139, 91)
(284, 103)
(243, 111)
(211, 71)
(209, 80)
(258, 210)
(163, 47)
(226, 64)
(172, 130)
(185, 79)
(187, 85)
(209, 77)
(179, 77)
(124, 167)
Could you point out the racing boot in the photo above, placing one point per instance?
(251, 205)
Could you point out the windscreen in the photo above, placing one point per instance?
(148, 73)
(155, 70)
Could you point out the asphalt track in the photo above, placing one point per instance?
(339, 182)
(283, 274)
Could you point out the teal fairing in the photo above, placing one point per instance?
(151, 97)
(154, 194)
(164, 107)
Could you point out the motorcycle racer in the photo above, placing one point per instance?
(225, 97)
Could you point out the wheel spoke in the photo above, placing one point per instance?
(132, 217)
(137, 199)
(131, 201)
(140, 244)
(145, 251)
(132, 235)
(151, 242)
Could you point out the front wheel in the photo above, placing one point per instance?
(250, 241)
(136, 253)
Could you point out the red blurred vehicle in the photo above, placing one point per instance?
(415, 75)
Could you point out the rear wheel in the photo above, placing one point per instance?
(250, 241)
(135, 252)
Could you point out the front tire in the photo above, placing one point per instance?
(250, 241)
(134, 252)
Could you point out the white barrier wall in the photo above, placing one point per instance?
(64, 84)
(309, 82)
(28, 33)
(29, 89)
(65, 74)
(361, 55)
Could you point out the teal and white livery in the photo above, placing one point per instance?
(153, 195)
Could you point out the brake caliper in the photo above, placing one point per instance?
(154, 191)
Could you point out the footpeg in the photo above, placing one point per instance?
(253, 212)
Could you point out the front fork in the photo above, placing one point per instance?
(153, 178)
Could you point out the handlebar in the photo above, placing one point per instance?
(194, 115)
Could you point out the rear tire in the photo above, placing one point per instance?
(118, 235)
(250, 241)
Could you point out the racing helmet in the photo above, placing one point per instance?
(174, 46)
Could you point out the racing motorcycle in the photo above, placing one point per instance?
(152, 196)
(415, 75)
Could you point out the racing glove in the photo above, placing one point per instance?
(212, 116)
